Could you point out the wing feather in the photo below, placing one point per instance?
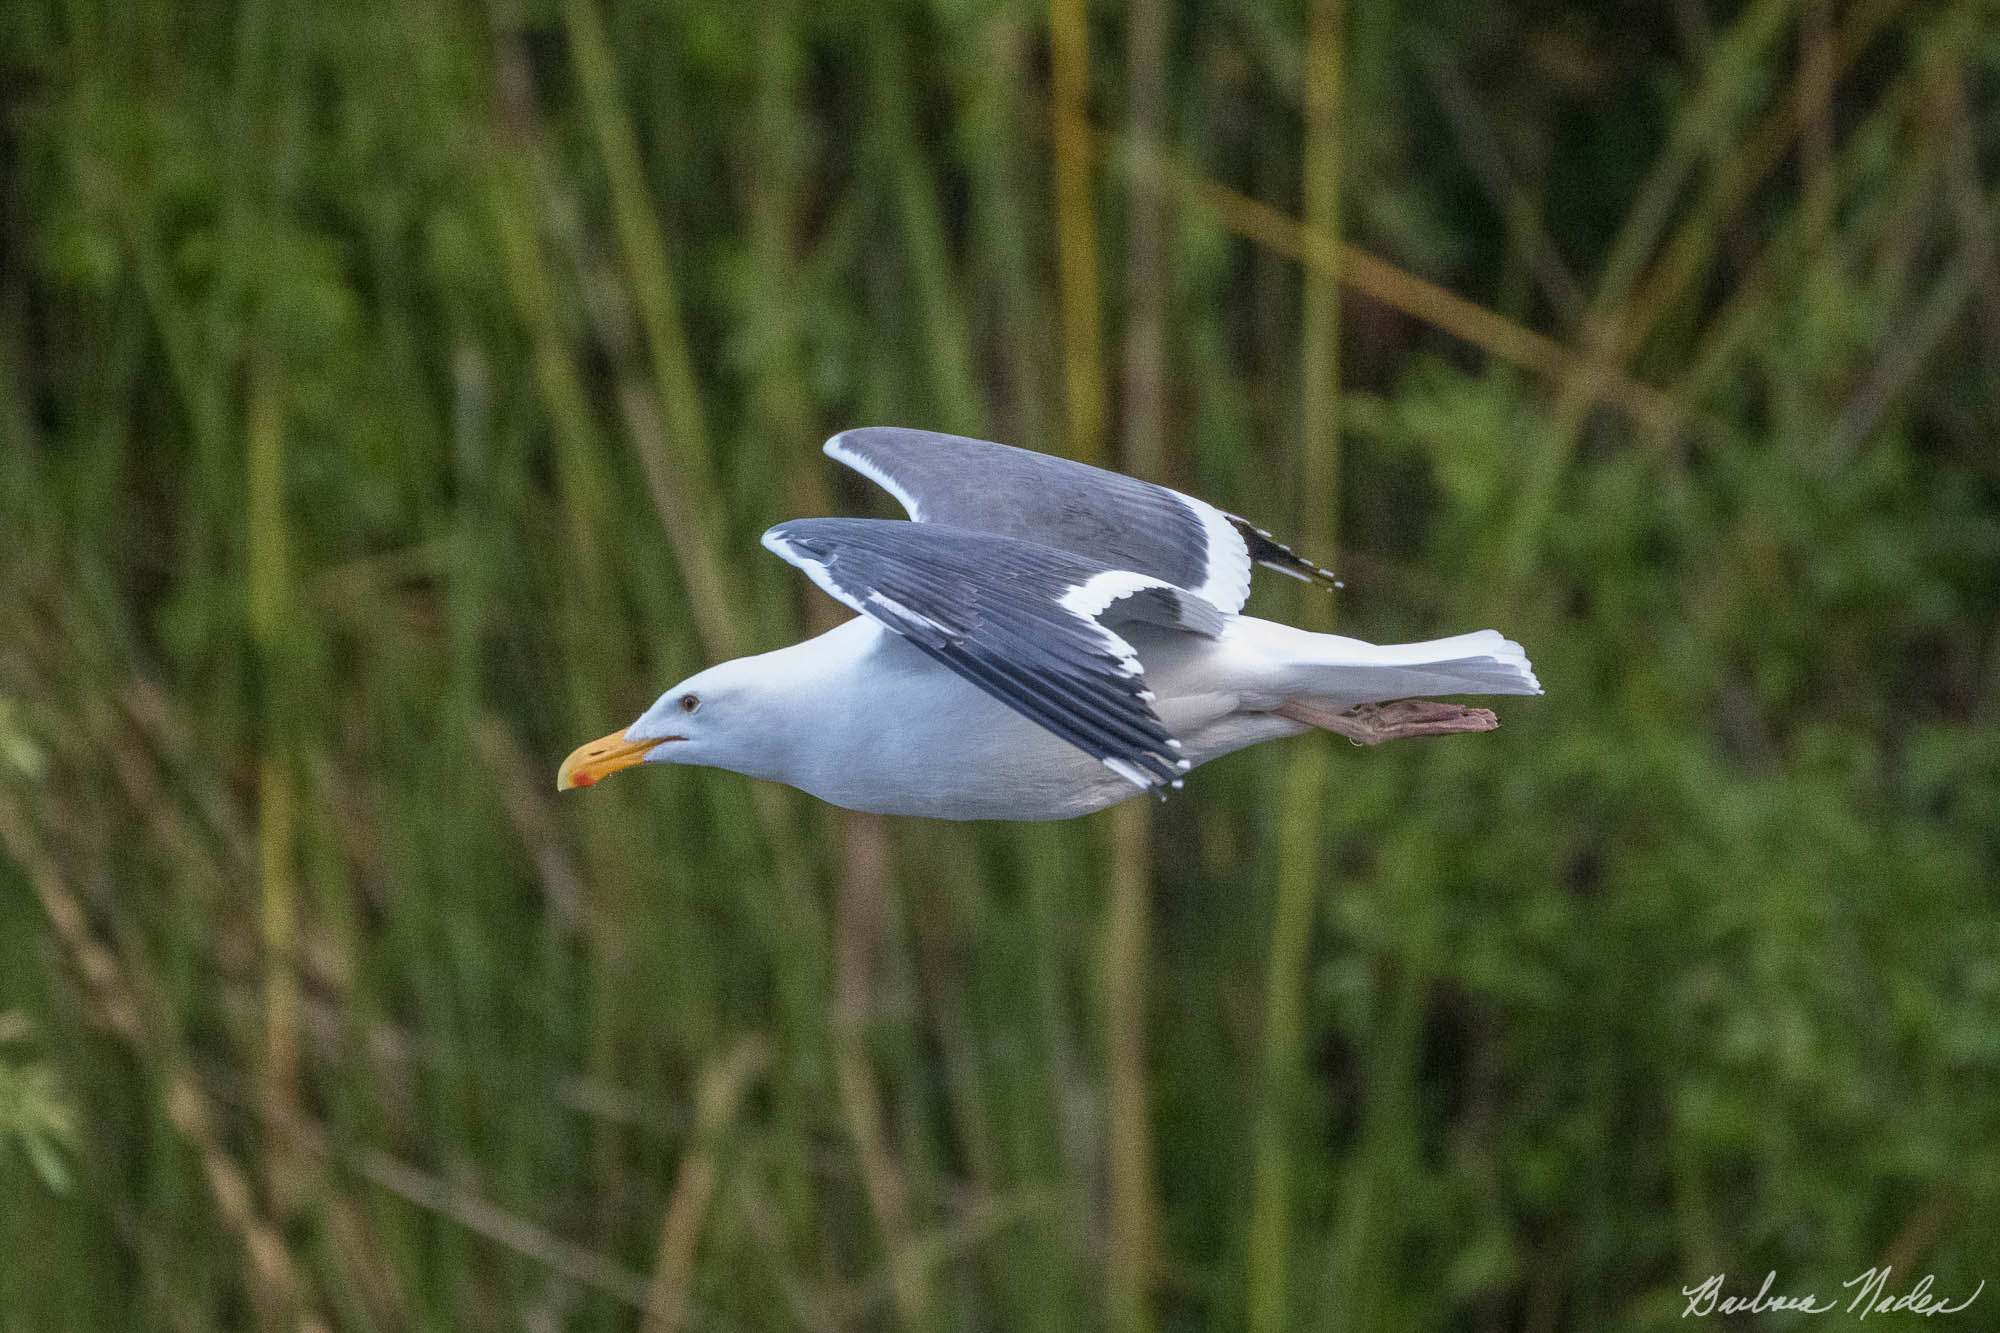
(1115, 520)
(1028, 624)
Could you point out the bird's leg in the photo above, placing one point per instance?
(1371, 724)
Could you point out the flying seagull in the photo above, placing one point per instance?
(1041, 640)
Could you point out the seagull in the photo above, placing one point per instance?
(1042, 639)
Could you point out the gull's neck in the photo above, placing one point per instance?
(790, 698)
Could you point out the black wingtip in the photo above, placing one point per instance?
(1273, 554)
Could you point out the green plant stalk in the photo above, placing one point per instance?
(1750, 307)
(1493, 334)
(1360, 1271)
(1741, 165)
(1267, 1261)
(943, 328)
(679, 463)
(1045, 1271)
(1076, 226)
(782, 413)
(1132, 1224)
(1713, 115)
(1002, 156)
(859, 917)
(696, 526)
(584, 496)
(268, 552)
(1127, 951)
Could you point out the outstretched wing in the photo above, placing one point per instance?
(1028, 624)
(1120, 521)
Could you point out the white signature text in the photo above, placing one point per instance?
(1870, 1294)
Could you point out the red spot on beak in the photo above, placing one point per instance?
(582, 780)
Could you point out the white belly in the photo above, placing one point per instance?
(915, 739)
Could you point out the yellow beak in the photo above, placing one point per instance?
(601, 758)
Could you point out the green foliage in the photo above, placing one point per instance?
(390, 396)
(36, 1121)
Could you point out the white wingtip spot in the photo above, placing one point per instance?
(1171, 741)
(1185, 765)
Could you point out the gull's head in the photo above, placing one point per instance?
(703, 720)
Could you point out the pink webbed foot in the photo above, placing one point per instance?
(1371, 724)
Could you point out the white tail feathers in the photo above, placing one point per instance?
(1341, 673)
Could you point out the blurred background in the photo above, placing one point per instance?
(391, 397)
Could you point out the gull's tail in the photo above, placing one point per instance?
(1335, 673)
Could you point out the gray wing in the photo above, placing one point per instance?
(1026, 623)
(1118, 520)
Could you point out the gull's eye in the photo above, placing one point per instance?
(689, 703)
